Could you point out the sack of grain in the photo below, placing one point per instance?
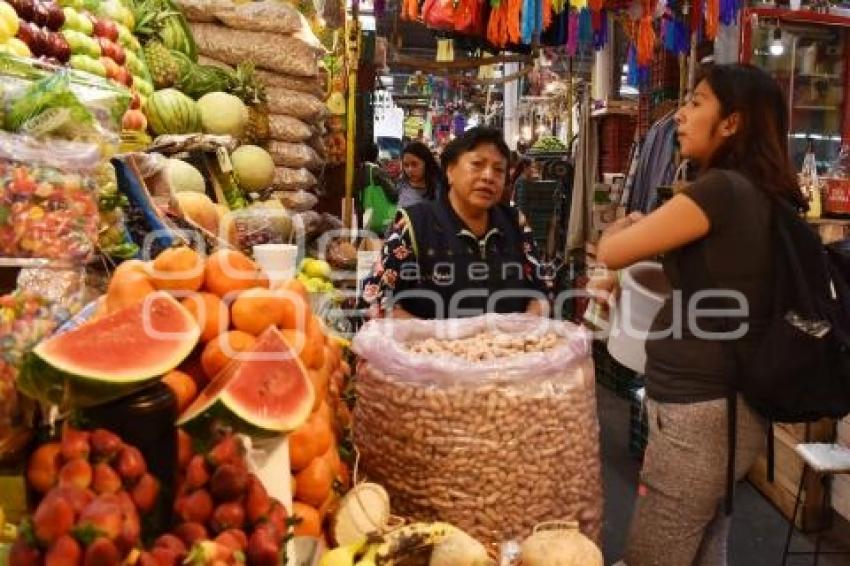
(298, 201)
(297, 104)
(287, 179)
(310, 85)
(294, 155)
(288, 129)
(275, 52)
(272, 16)
(488, 423)
(203, 60)
(202, 11)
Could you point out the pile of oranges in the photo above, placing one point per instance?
(231, 299)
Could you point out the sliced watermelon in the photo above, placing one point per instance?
(112, 356)
(263, 392)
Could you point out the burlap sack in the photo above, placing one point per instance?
(271, 51)
(288, 129)
(310, 85)
(296, 104)
(298, 201)
(286, 179)
(294, 155)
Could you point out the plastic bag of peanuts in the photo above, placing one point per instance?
(488, 423)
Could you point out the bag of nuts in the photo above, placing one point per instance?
(488, 423)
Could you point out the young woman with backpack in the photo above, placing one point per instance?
(714, 235)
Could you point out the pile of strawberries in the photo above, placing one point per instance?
(94, 486)
(224, 514)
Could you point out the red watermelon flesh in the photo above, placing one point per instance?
(265, 390)
(147, 339)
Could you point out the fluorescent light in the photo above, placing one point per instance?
(776, 47)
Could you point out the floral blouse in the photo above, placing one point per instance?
(397, 256)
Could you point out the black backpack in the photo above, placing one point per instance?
(801, 370)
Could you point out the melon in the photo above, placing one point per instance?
(112, 356)
(169, 111)
(265, 391)
(199, 208)
(253, 167)
(184, 177)
(223, 114)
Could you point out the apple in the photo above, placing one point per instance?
(59, 47)
(98, 68)
(112, 68)
(134, 120)
(24, 8)
(144, 87)
(124, 77)
(105, 46)
(71, 18)
(85, 24)
(135, 100)
(9, 22)
(41, 14)
(119, 55)
(92, 47)
(134, 64)
(105, 28)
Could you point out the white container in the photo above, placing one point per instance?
(277, 260)
(643, 289)
(840, 496)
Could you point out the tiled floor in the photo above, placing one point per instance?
(758, 532)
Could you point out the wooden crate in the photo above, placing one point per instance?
(788, 467)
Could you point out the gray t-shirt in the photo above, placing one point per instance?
(408, 195)
(734, 255)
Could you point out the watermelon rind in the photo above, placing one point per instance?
(47, 377)
(223, 409)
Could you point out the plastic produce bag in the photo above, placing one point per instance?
(488, 423)
(289, 129)
(261, 223)
(271, 16)
(286, 179)
(48, 198)
(294, 155)
(271, 51)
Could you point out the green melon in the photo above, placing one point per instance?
(263, 392)
(112, 356)
(169, 111)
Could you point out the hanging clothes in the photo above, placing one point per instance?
(556, 34)
(586, 172)
(656, 164)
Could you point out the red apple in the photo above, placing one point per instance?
(59, 47)
(24, 8)
(105, 28)
(136, 100)
(26, 33)
(55, 16)
(118, 54)
(124, 77)
(111, 66)
(41, 14)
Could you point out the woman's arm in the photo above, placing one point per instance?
(676, 223)
(387, 276)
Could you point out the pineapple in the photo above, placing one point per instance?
(249, 89)
(162, 65)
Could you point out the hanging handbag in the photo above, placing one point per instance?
(439, 14)
(382, 210)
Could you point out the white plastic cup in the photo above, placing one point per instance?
(277, 260)
(794, 4)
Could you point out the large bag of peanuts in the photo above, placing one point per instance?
(488, 423)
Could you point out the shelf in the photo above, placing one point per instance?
(828, 221)
(815, 107)
(800, 16)
(815, 76)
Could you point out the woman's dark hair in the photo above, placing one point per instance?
(759, 148)
(434, 178)
(471, 139)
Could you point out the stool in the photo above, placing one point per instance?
(826, 459)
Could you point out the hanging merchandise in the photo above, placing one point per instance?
(712, 18)
(675, 35)
(600, 36)
(585, 27)
(470, 17)
(410, 10)
(531, 19)
(646, 35)
(729, 11)
(459, 124)
(556, 34)
(439, 14)
(514, 20)
(572, 33)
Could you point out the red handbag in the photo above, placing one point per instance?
(469, 17)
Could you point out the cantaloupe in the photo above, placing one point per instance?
(253, 167)
(223, 114)
(183, 177)
(199, 209)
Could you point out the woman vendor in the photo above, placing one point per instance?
(464, 255)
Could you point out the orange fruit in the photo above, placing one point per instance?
(324, 413)
(344, 476)
(257, 309)
(222, 349)
(127, 288)
(310, 352)
(314, 483)
(329, 505)
(228, 271)
(296, 313)
(310, 524)
(309, 441)
(131, 265)
(178, 269)
(331, 457)
(295, 286)
(292, 484)
(315, 354)
(210, 313)
(333, 352)
(320, 386)
(183, 387)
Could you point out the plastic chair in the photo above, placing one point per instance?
(827, 460)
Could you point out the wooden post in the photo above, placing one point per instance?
(352, 55)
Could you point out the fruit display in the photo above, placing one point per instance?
(169, 111)
(315, 274)
(94, 489)
(223, 513)
(112, 356)
(548, 143)
(253, 168)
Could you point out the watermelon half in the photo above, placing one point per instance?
(263, 392)
(112, 356)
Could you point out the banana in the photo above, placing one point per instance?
(342, 556)
(369, 558)
(411, 540)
